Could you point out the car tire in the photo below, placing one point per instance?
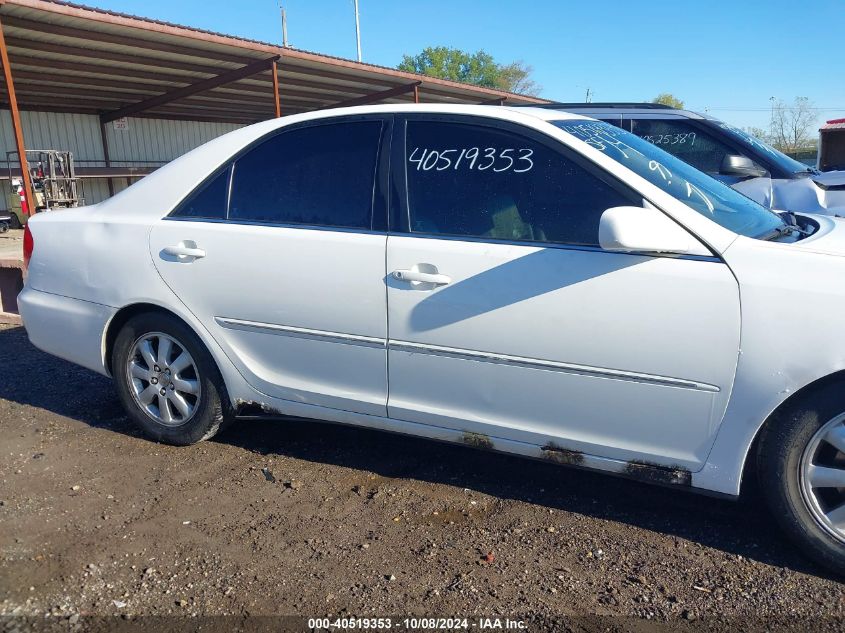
(792, 451)
(173, 398)
(14, 222)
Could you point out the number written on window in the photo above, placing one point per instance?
(670, 139)
(484, 182)
(516, 160)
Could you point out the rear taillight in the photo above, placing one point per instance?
(28, 245)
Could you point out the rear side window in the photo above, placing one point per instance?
(208, 201)
(322, 175)
(469, 180)
(702, 150)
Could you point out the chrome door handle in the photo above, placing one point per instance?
(184, 251)
(421, 277)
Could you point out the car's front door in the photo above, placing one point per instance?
(701, 147)
(290, 277)
(507, 319)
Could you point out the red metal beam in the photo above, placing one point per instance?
(98, 106)
(275, 74)
(375, 97)
(16, 124)
(186, 91)
(125, 94)
(186, 115)
(105, 139)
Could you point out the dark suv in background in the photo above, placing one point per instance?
(727, 153)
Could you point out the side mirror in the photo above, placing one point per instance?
(641, 230)
(734, 165)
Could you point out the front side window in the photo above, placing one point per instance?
(322, 175)
(478, 181)
(691, 144)
(778, 158)
(704, 194)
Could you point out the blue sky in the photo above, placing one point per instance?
(726, 57)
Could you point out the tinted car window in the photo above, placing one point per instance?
(765, 151)
(679, 179)
(208, 201)
(322, 175)
(691, 144)
(468, 180)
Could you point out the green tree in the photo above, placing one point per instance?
(668, 99)
(477, 68)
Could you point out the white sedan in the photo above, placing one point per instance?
(522, 280)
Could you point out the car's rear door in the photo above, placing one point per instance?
(290, 281)
(507, 319)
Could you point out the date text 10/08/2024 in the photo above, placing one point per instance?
(416, 624)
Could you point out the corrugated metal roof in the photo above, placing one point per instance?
(833, 124)
(74, 58)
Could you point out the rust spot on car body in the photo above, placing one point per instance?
(250, 408)
(559, 455)
(477, 440)
(658, 474)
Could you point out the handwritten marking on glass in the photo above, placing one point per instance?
(670, 139)
(692, 189)
(608, 140)
(515, 160)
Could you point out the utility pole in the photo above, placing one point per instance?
(772, 115)
(357, 30)
(587, 97)
(284, 26)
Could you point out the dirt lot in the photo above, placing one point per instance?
(299, 518)
(11, 244)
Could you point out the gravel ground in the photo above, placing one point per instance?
(294, 517)
(11, 244)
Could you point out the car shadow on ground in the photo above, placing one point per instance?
(31, 377)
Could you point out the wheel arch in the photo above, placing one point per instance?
(807, 391)
(122, 316)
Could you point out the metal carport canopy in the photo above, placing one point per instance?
(72, 58)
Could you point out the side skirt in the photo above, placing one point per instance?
(674, 477)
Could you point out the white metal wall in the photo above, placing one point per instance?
(159, 139)
(143, 140)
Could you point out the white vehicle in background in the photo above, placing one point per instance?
(523, 280)
(727, 153)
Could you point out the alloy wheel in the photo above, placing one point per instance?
(822, 476)
(164, 378)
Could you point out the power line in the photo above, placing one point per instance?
(768, 109)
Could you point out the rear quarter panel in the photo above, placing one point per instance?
(101, 256)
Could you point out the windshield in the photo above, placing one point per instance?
(697, 190)
(789, 165)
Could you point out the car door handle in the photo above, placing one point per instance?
(427, 278)
(184, 251)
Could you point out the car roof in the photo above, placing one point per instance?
(545, 114)
(617, 108)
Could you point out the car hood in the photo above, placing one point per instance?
(828, 240)
(830, 180)
(822, 193)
